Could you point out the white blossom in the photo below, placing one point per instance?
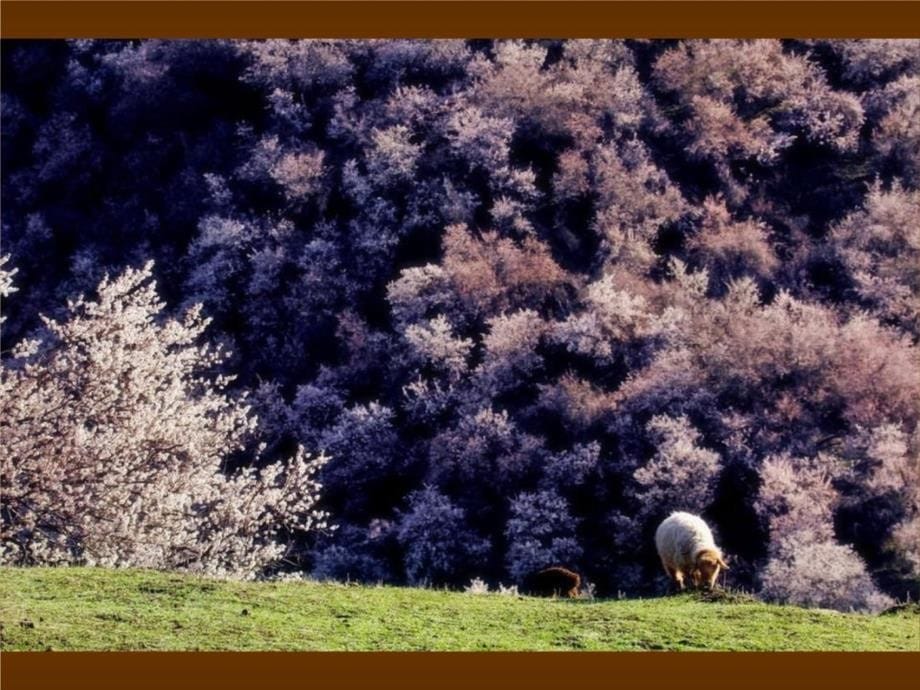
(114, 443)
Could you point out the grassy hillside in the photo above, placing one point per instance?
(97, 609)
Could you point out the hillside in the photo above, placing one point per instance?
(483, 305)
(98, 609)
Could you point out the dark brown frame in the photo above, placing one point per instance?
(457, 19)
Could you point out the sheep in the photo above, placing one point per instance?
(686, 547)
(555, 581)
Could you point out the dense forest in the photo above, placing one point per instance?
(425, 311)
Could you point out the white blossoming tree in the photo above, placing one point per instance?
(115, 435)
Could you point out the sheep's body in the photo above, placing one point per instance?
(686, 547)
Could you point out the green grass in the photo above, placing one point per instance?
(98, 609)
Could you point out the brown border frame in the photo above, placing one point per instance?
(460, 18)
(456, 19)
(455, 670)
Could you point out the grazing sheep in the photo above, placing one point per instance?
(555, 581)
(686, 547)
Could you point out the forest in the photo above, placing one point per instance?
(424, 311)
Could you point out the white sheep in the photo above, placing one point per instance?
(686, 547)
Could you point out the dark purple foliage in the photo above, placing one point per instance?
(528, 296)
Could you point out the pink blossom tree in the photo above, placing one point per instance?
(116, 436)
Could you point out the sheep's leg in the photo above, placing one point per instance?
(668, 570)
(675, 576)
(679, 580)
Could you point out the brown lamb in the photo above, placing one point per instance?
(556, 581)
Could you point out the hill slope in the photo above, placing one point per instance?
(98, 609)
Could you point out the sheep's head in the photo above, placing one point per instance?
(706, 569)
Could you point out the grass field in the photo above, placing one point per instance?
(98, 609)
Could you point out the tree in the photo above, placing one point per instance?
(869, 61)
(540, 533)
(749, 102)
(434, 343)
(807, 566)
(635, 199)
(364, 443)
(681, 475)
(491, 273)
(510, 349)
(880, 247)
(115, 439)
(729, 248)
(897, 135)
(439, 546)
(6, 282)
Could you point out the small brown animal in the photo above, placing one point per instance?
(556, 581)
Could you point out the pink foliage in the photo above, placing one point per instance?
(115, 437)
